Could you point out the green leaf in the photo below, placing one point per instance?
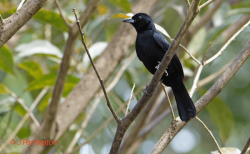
(41, 82)
(20, 110)
(71, 82)
(50, 79)
(33, 68)
(4, 89)
(221, 116)
(44, 102)
(6, 60)
(124, 5)
(52, 18)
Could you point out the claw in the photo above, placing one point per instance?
(157, 67)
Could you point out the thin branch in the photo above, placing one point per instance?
(205, 99)
(197, 61)
(211, 77)
(247, 146)
(196, 79)
(101, 81)
(227, 43)
(170, 106)
(210, 135)
(26, 109)
(61, 13)
(206, 4)
(26, 116)
(130, 98)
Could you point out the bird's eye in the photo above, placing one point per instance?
(139, 18)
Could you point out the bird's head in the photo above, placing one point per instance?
(141, 22)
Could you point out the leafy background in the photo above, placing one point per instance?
(31, 59)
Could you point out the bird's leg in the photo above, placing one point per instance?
(157, 67)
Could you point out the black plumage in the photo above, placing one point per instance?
(151, 47)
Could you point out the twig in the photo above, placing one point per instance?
(210, 135)
(188, 3)
(130, 98)
(197, 61)
(211, 77)
(196, 79)
(247, 146)
(206, 4)
(1, 19)
(101, 81)
(227, 43)
(170, 106)
(61, 13)
(26, 109)
(26, 116)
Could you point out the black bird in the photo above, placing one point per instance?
(151, 47)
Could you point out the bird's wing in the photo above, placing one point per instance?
(160, 40)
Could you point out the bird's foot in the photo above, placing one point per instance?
(157, 67)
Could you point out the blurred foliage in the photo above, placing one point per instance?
(31, 59)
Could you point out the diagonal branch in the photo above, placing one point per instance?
(61, 13)
(247, 146)
(25, 117)
(97, 74)
(173, 130)
(13, 23)
(206, 4)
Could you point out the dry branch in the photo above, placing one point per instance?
(97, 73)
(25, 117)
(205, 99)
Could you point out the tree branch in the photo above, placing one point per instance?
(61, 13)
(244, 151)
(205, 99)
(13, 23)
(206, 4)
(25, 117)
(97, 73)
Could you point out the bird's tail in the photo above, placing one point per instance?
(185, 104)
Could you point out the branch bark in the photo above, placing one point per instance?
(13, 23)
(173, 130)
